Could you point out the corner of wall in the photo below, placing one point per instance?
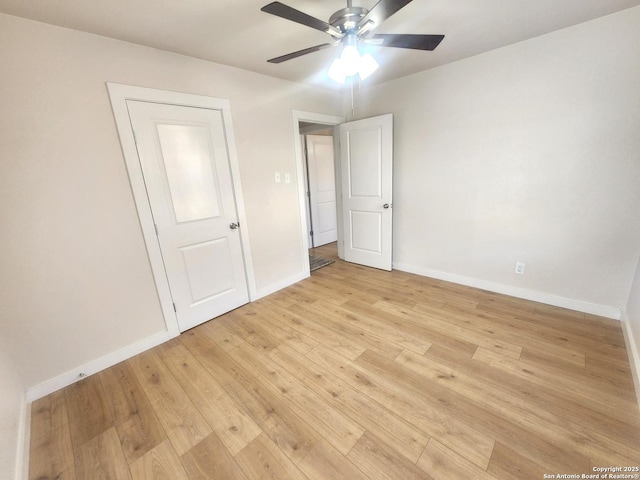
(633, 352)
(49, 386)
(24, 440)
(269, 289)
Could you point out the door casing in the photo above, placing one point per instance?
(119, 94)
(332, 121)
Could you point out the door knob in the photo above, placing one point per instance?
(386, 205)
(234, 225)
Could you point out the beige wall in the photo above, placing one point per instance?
(76, 282)
(529, 153)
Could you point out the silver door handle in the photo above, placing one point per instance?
(386, 205)
(234, 225)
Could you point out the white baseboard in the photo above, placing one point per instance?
(556, 301)
(268, 290)
(95, 366)
(24, 440)
(633, 352)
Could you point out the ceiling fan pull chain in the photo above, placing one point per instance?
(353, 107)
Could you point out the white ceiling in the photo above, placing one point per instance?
(237, 33)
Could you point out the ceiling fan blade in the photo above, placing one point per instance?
(299, 53)
(416, 42)
(290, 13)
(381, 11)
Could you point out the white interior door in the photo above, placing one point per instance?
(185, 163)
(322, 189)
(366, 151)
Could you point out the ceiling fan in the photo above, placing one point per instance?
(350, 27)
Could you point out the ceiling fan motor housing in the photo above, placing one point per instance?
(347, 19)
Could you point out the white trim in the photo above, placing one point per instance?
(274, 287)
(119, 94)
(24, 440)
(633, 352)
(297, 117)
(549, 299)
(97, 365)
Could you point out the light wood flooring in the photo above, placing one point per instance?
(355, 374)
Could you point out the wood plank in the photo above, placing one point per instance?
(238, 322)
(605, 379)
(182, 422)
(355, 324)
(414, 331)
(48, 413)
(461, 333)
(604, 400)
(587, 429)
(547, 420)
(338, 429)
(429, 418)
(405, 438)
(88, 410)
(380, 462)
(280, 333)
(325, 463)
(210, 460)
(301, 322)
(220, 334)
(159, 463)
(487, 423)
(102, 458)
(508, 464)
(511, 329)
(52, 455)
(271, 414)
(229, 421)
(138, 427)
(346, 324)
(262, 460)
(443, 463)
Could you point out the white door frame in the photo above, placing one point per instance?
(119, 94)
(333, 121)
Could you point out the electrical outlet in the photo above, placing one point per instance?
(287, 178)
(520, 268)
(277, 177)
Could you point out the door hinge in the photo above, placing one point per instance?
(311, 233)
(174, 308)
(309, 194)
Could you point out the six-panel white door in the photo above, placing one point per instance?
(322, 189)
(366, 150)
(185, 162)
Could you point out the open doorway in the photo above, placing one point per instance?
(319, 185)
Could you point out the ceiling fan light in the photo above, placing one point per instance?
(367, 66)
(336, 72)
(350, 59)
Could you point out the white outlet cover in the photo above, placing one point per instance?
(277, 177)
(287, 178)
(520, 268)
